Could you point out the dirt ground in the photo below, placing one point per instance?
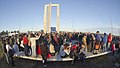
(105, 61)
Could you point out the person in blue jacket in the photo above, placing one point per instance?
(104, 41)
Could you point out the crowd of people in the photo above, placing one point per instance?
(65, 44)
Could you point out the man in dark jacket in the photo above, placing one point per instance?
(89, 42)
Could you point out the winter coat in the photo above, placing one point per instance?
(104, 39)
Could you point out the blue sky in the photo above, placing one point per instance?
(75, 15)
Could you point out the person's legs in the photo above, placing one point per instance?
(90, 46)
(93, 45)
(26, 50)
(81, 50)
(74, 59)
(97, 51)
(57, 48)
(86, 48)
(11, 62)
(83, 57)
(30, 50)
(108, 46)
(44, 61)
(6, 56)
(104, 47)
(113, 52)
(34, 51)
(94, 51)
(100, 47)
(32, 47)
(118, 51)
(19, 47)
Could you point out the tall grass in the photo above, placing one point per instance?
(1, 51)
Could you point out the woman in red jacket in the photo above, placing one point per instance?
(109, 41)
(25, 43)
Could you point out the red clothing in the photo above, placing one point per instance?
(113, 47)
(109, 38)
(39, 51)
(74, 47)
(25, 40)
(56, 40)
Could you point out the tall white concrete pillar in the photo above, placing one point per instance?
(47, 17)
(45, 10)
(58, 18)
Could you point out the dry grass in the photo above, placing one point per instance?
(1, 51)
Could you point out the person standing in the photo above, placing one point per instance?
(84, 42)
(80, 38)
(109, 41)
(118, 47)
(10, 54)
(44, 52)
(25, 43)
(33, 45)
(56, 44)
(104, 41)
(89, 42)
(5, 50)
(93, 42)
(97, 42)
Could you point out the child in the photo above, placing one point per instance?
(97, 46)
